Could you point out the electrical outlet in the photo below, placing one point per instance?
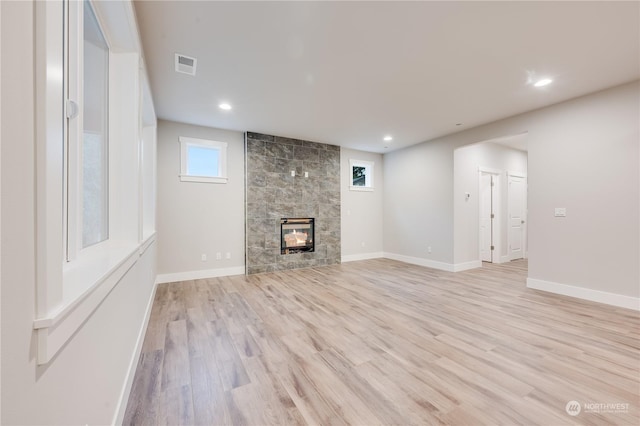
(560, 212)
(429, 249)
(203, 257)
(218, 256)
(363, 244)
(228, 255)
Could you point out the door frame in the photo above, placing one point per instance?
(496, 225)
(525, 243)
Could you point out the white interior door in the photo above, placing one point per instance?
(517, 195)
(486, 212)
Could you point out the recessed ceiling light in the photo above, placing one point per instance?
(543, 82)
(388, 138)
(225, 107)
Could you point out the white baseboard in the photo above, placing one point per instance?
(197, 275)
(585, 293)
(362, 256)
(421, 262)
(506, 258)
(459, 267)
(133, 364)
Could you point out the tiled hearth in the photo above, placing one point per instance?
(273, 194)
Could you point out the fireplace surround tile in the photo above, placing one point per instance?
(259, 137)
(272, 194)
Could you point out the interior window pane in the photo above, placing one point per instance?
(202, 161)
(359, 176)
(95, 192)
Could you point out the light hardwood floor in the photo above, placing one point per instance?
(383, 342)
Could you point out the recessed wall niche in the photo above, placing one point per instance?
(290, 178)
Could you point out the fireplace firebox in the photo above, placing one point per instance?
(297, 235)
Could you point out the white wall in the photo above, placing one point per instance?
(361, 211)
(199, 218)
(418, 205)
(467, 160)
(84, 382)
(583, 155)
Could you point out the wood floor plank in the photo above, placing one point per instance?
(402, 394)
(198, 334)
(383, 342)
(343, 400)
(175, 368)
(231, 369)
(176, 406)
(156, 331)
(279, 406)
(306, 396)
(245, 344)
(380, 406)
(209, 400)
(145, 391)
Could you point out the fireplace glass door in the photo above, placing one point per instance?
(296, 235)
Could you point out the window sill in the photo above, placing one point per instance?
(203, 179)
(102, 268)
(93, 265)
(361, 188)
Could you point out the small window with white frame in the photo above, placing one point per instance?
(203, 160)
(361, 175)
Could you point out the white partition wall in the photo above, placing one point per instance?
(469, 162)
(200, 225)
(361, 211)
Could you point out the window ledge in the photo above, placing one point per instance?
(203, 179)
(361, 188)
(92, 267)
(104, 269)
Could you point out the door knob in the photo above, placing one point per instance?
(522, 221)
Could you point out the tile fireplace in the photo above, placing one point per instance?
(291, 179)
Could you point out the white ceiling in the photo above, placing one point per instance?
(348, 73)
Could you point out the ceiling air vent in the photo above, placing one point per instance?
(186, 64)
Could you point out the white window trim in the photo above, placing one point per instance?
(185, 143)
(69, 292)
(368, 165)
